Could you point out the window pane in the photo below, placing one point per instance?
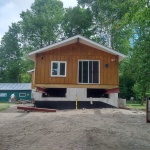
(55, 68)
(85, 71)
(62, 68)
(80, 72)
(22, 94)
(3, 94)
(95, 72)
(90, 72)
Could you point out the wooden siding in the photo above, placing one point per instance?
(72, 53)
(33, 79)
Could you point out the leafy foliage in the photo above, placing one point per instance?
(77, 21)
(41, 24)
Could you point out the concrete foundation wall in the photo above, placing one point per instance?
(81, 94)
(121, 102)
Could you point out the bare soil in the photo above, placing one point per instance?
(88, 129)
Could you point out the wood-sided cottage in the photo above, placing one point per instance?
(76, 67)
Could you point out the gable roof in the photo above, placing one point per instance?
(15, 86)
(74, 39)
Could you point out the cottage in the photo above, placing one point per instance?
(76, 68)
(22, 91)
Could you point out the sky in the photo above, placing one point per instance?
(10, 11)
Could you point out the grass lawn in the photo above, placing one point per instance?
(136, 105)
(4, 106)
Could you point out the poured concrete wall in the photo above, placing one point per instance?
(121, 102)
(81, 94)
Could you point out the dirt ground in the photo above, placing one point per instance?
(95, 129)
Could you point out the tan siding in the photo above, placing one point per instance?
(72, 53)
(33, 79)
(101, 70)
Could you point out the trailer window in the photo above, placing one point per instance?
(22, 94)
(3, 94)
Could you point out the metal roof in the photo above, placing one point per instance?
(74, 39)
(15, 86)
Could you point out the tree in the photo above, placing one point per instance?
(140, 63)
(109, 26)
(41, 24)
(13, 63)
(10, 54)
(77, 21)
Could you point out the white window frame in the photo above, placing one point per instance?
(59, 62)
(22, 93)
(88, 71)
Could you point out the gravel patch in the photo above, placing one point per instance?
(88, 129)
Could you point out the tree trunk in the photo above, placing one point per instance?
(143, 96)
(142, 101)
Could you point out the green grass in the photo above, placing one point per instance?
(136, 105)
(4, 106)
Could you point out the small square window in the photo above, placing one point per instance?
(58, 68)
(22, 94)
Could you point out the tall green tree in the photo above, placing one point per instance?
(140, 59)
(109, 26)
(77, 20)
(13, 63)
(41, 24)
(10, 55)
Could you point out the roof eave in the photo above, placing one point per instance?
(72, 40)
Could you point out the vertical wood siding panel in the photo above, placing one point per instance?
(36, 72)
(43, 68)
(117, 72)
(66, 79)
(105, 70)
(101, 70)
(109, 75)
(49, 70)
(74, 70)
(113, 71)
(33, 80)
(47, 64)
(53, 58)
(38, 65)
(57, 78)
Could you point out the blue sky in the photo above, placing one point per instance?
(10, 11)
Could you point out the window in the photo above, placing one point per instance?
(22, 94)
(88, 72)
(3, 94)
(58, 68)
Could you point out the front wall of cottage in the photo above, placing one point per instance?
(71, 54)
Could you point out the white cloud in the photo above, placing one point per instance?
(10, 11)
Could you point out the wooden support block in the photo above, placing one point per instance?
(36, 109)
